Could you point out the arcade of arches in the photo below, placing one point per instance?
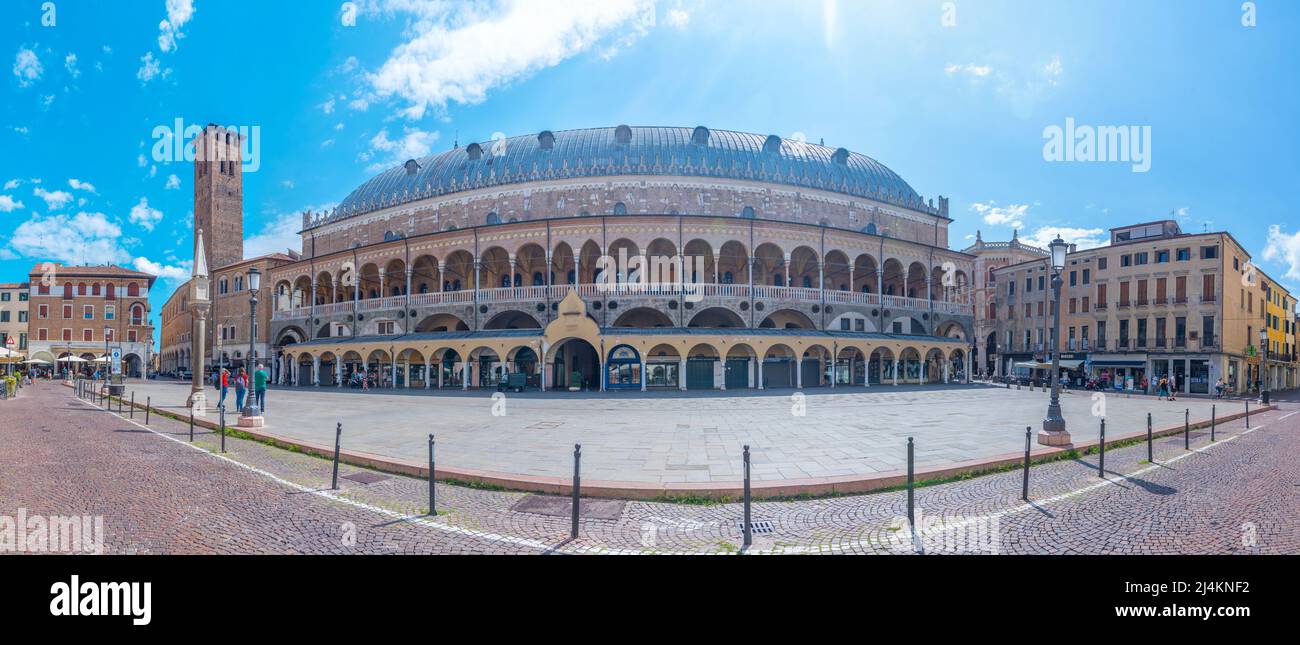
(573, 353)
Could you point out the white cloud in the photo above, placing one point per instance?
(179, 12)
(141, 161)
(144, 215)
(288, 183)
(970, 70)
(458, 52)
(327, 143)
(328, 106)
(27, 67)
(1052, 70)
(413, 144)
(54, 199)
(20, 129)
(77, 184)
(70, 63)
(1086, 238)
(279, 234)
(1013, 215)
(1284, 249)
(677, 18)
(149, 68)
(13, 183)
(349, 65)
(9, 204)
(173, 182)
(177, 273)
(80, 239)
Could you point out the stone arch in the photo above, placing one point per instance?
(458, 274)
(770, 265)
(733, 263)
(564, 267)
(894, 278)
(717, 317)
(513, 319)
(699, 248)
(787, 319)
(441, 322)
(642, 318)
(916, 281)
(425, 277)
(804, 267)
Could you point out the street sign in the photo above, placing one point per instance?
(117, 361)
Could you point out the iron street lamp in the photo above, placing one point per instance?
(1263, 365)
(251, 410)
(107, 363)
(1054, 433)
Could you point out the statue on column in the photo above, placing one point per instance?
(200, 303)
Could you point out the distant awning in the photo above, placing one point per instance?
(1035, 365)
(1119, 363)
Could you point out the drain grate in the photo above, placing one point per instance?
(365, 477)
(757, 526)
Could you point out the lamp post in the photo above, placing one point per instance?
(1263, 365)
(1053, 432)
(107, 363)
(251, 416)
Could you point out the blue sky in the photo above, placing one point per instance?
(954, 96)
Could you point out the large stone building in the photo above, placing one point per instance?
(1153, 302)
(988, 257)
(13, 315)
(776, 263)
(81, 310)
(219, 212)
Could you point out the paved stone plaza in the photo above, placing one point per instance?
(159, 493)
(656, 438)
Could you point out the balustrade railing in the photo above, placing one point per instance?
(777, 294)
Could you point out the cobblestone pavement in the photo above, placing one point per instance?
(61, 456)
(691, 437)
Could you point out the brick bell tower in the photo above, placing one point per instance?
(219, 194)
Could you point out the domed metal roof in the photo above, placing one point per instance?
(623, 150)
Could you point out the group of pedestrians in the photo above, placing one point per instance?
(223, 380)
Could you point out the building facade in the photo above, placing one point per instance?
(13, 315)
(1154, 302)
(990, 256)
(84, 311)
(700, 259)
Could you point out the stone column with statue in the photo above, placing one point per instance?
(200, 303)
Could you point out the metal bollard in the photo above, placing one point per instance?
(749, 537)
(222, 408)
(433, 507)
(133, 404)
(191, 424)
(1150, 459)
(148, 401)
(1247, 415)
(1101, 460)
(1024, 491)
(1187, 429)
(338, 437)
(577, 488)
(1213, 420)
(911, 503)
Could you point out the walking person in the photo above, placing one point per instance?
(259, 387)
(223, 383)
(1163, 388)
(1173, 388)
(241, 388)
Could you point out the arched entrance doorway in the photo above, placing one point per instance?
(575, 365)
(623, 369)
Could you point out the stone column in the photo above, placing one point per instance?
(440, 379)
(393, 369)
(946, 366)
(601, 376)
(442, 275)
(895, 372)
(643, 374)
(334, 290)
(428, 372)
(681, 374)
(315, 370)
(798, 372)
(383, 273)
(789, 279)
(338, 371)
(760, 373)
(464, 372)
(717, 270)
